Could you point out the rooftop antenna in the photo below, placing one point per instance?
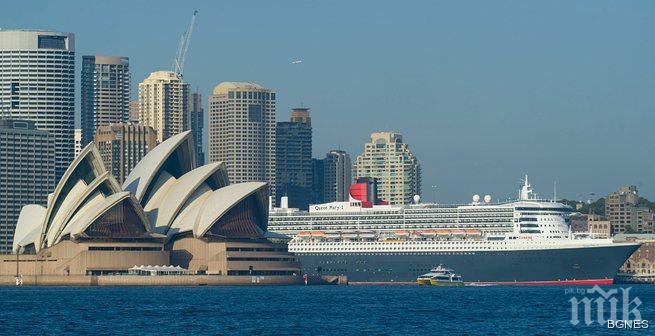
(180, 58)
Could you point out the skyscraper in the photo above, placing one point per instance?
(164, 104)
(105, 93)
(624, 213)
(318, 183)
(37, 82)
(242, 131)
(337, 176)
(389, 160)
(27, 172)
(122, 146)
(293, 162)
(196, 122)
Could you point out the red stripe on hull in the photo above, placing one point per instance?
(552, 282)
(382, 283)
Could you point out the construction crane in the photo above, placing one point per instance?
(178, 63)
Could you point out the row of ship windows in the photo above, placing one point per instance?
(392, 254)
(447, 242)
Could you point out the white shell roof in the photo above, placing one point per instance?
(220, 202)
(28, 226)
(97, 165)
(186, 220)
(143, 173)
(93, 213)
(93, 202)
(177, 195)
(65, 214)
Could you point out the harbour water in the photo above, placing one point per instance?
(311, 310)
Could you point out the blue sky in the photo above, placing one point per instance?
(483, 91)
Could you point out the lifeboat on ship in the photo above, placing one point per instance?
(458, 232)
(401, 233)
(350, 234)
(318, 234)
(333, 234)
(367, 234)
(428, 233)
(442, 233)
(473, 232)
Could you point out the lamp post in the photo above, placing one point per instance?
(434, 193)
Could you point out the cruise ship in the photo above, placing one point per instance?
(524, 241)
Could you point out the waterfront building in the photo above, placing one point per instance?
(293, 162)
(623, 211)
(164, 103)
(105, 94)
(337, 176)
(640, 267)
(168, 212)
(595, 226)
(196, 125)
(599, 227)
(122, 146)
(242, 131)
(78, 141)
(388, 159)
(579, 224)
(27, 172)
(37, 77)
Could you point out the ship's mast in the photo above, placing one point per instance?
(526, 190)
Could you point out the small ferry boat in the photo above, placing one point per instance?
(440, 276)
(424, 280)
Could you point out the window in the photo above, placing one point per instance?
(254, 113)
(52, 42)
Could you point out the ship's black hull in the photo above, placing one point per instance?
(568, 265)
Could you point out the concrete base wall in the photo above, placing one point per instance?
(129, 280)
(68, 258)
(214, 257)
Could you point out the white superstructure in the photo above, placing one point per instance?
(527, 217)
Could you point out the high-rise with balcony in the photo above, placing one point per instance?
(293, 162)
(623, 210)
(337, 176)
(122, 146)
(164, 104)
(27, 172)
(105, 94)
(388, 159)
(242, 131)
(196, 122)
(37, 83)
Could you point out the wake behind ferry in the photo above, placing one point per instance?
(526, 241)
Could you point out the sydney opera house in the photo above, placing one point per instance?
(167, 212)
